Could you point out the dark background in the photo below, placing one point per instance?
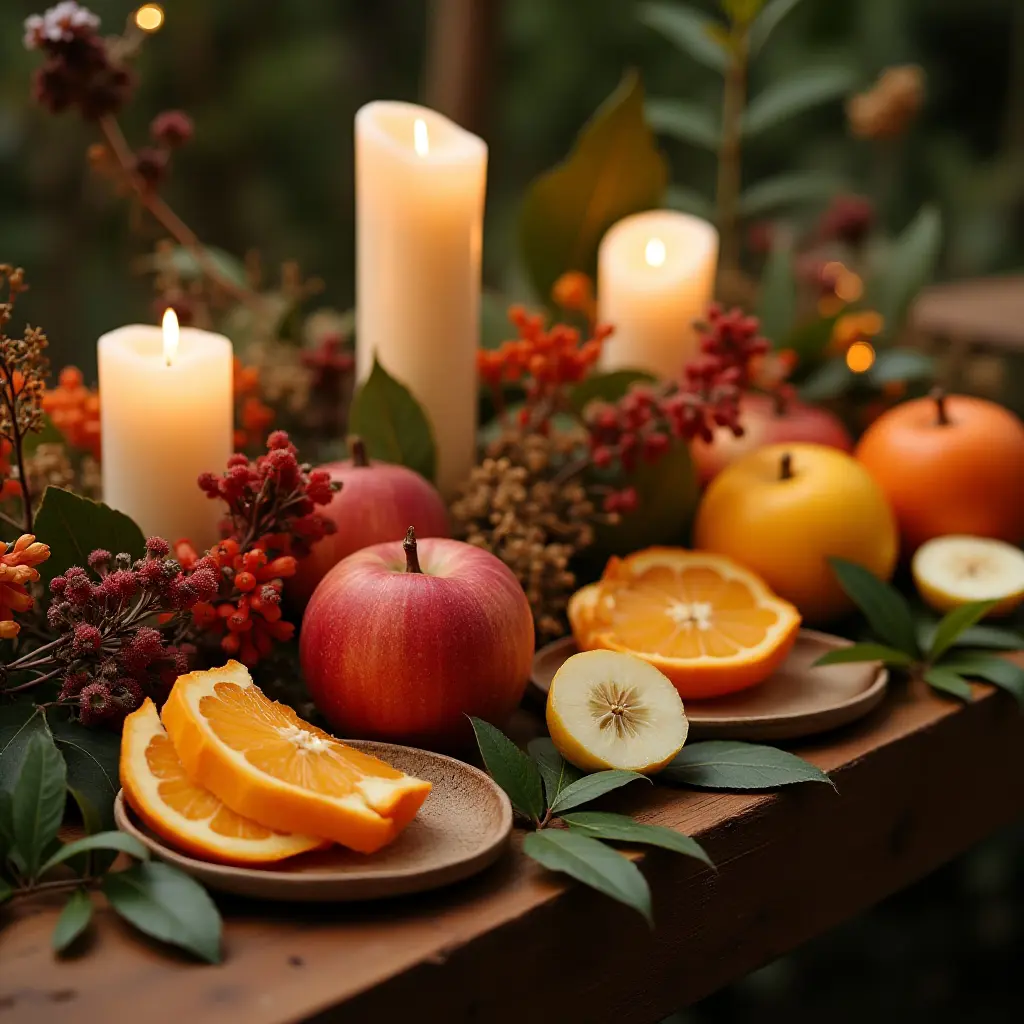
(273, 88)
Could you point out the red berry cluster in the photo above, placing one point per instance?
(245, 611)
(109, 655)
(645, 421)
(545, 359)
(80, 69)
(273, 499)
(848, 219)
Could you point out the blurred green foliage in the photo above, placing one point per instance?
(273, 89)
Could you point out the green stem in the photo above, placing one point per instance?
(727, 192)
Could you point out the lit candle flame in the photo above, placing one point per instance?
(149, 17)
(655, 253)
(420, 138)
(171, 335)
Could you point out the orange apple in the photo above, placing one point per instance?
(782, 511)
(767, 420)
(376, 503)
(402, 641)
(950, 464)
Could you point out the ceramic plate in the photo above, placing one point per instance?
(798, 700)
(463, 827)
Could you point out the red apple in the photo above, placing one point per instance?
(376, 503)
(401, 641)
(767, 420)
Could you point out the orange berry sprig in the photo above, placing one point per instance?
(546, 361)
(74, 410)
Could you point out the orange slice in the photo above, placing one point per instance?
(580, 611)
(267, 764)
(707, 623)
(189, 817)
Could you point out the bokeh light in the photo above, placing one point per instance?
(149, 17)
(860, 357)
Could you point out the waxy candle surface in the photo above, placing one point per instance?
(656, 277)
(420, 182)
(162, 425)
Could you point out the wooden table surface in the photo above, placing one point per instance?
(919, 781)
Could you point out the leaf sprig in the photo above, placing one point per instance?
(542, 786)
(944, 654)
(158, 900)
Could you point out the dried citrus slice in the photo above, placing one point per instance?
(267, 764)
(189, 817)
(710, 625)
(951, 571)
(610, 710)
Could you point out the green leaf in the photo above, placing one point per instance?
(18, 724)
(785, 190)
(590, 787)
(119, 841)
(615, 169)
(37, 804)
(991, 637)
(830, 380)
(776, 307)
(792, 96)
(953, 623)
(6, 824)
(683, 120)
(998, 671)
(886, 610)
(689, 30)
(898, 364)
(167, 905)
(950, 682)
(73, 920)
(392, 423)
(729, 764)
(556, 772)
(809, 340)
(908, 267)
(764, 24)
(608, 387)
(592, 863)
(623, 829)
(6, 892)
(865, 652)
(511, 769)
(74, 526)
(92, 757)
(688, 200)
(184, 263)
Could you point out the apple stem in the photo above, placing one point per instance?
(412, 558)
(357, 448)
(938, 395)
(786, 467)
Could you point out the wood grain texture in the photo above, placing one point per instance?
(919, 780)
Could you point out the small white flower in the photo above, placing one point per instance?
(60, 24)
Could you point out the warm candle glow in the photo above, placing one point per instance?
(149, 17)
(420, 138)
(860, 357)
(171, 335)
(655, 253)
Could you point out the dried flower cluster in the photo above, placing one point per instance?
(886, 110)
(23, 370)
(643, 424)
(18, 563)
(848, 219)
(516, 505)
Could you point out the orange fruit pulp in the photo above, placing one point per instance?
(186, 815)
(707, 623)
(267, 764)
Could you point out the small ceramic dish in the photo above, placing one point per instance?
(798, 700)
(462, 828)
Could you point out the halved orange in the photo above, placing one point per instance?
(267, 764)
(187, 816)
(707, 623)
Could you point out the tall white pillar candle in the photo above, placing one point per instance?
(166, 414)
(420, 183)
(656, 277)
